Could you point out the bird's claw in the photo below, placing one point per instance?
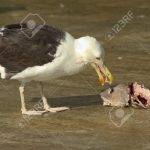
(33, 112)
(56, 109)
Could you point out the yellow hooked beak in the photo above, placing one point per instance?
(104, 74)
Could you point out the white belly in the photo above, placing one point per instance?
(49, 71)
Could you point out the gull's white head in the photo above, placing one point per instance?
(89, 50)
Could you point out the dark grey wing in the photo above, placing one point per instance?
(18, 52)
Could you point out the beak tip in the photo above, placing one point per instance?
(108, 80)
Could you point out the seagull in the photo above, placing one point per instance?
(50, 53)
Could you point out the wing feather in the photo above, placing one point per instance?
(18, 52)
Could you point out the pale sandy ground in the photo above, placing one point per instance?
(87, 126)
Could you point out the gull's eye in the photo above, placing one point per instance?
(98, 58)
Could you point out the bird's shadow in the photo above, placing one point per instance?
(73, 101)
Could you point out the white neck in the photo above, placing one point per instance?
(73, 65)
